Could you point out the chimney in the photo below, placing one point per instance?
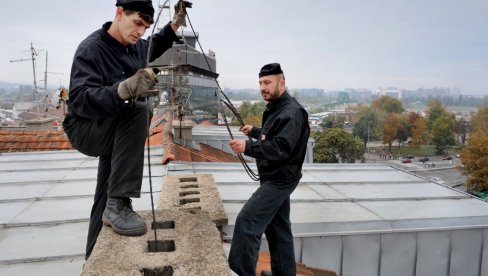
(182, 131)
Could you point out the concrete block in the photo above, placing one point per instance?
(193, 192)
(188, 244)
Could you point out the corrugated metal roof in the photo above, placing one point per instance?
(45, 201)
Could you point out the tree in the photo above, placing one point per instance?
(419, 132)
(442, 133)
(368, 125)
(404, 130)
(336, 144)
(480, 121)
(461, 129)
(474, 155)
(390, 130)
(333, 121)
(435, 110)
(251, 114)
(388, 104)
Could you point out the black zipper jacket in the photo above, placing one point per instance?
(101, 63)
(281, 144)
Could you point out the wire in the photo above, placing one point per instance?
(254, 176)
(148, 108)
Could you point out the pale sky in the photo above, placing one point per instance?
(328, 44)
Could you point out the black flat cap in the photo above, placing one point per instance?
(142, 6)
(270, 69)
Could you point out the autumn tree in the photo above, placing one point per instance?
(390, 130)
(480, 121)
(388, 104)
(474, 157)
(442, 133)
(419, 130)
(334, 145)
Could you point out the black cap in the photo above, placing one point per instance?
(270, 69)
(143, 6)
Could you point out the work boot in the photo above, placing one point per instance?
(121, 217)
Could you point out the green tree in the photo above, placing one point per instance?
(368, 125)
(388, 104)
(333, 121)
(435, 109)
(336, 144)
(442, 133)
(404, 130)
(250, 113)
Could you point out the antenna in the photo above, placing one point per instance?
(33, 59)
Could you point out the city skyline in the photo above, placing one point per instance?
(320, 44)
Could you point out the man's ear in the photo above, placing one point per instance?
(282, 84)
(119, 11)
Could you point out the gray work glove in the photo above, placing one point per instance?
(141, 84)
(180, 13)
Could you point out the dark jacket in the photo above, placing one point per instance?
(101, 63)
(281, 144)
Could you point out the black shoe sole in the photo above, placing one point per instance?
(127, 232)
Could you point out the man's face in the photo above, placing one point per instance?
(271, 87)
(131, 27)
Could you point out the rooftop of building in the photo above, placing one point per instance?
(45, 201)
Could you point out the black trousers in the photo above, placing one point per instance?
(267, 211)
(119, 143)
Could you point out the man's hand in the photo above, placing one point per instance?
(140, 84)
(246, 129)
(238, 146)
(180, 13)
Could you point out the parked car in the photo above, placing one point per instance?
(409, 157)
(447, 158)
(406, 160)
(424, 159)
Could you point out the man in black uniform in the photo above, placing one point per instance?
(105, 118)
(279, 149)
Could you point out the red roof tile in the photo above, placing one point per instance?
(33, 140)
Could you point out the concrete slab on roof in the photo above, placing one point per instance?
(423, 209)
(373, 191)
(327, 192)
(38, 165)
(30, 243)
(10, 210)
(242, 192)
(24, 191)
(62, 267)
(42, 156)
(363, 176)
(52, 210)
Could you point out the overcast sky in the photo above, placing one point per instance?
(327, 44)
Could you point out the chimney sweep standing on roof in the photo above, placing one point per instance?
(279, 149)
(105, 117)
